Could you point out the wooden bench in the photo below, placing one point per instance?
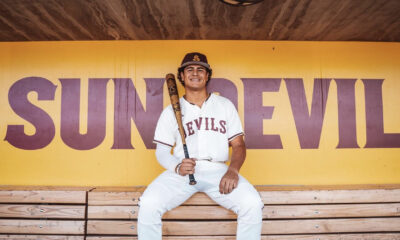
(43, 212)
(290, 212)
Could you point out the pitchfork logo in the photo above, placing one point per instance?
(196, 58)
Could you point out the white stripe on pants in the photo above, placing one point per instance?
(170, 190)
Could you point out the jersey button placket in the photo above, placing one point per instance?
(202, 132)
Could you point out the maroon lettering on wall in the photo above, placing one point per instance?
(376, 137)
(96, 121)
(18, 99)
(225, 88)
(308, 126)
(255, 112)
(127, 106)
(346, 113)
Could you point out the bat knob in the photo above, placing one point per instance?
(193, 182)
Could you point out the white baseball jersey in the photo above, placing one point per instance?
(208, 129)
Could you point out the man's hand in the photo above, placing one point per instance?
(229, 181)
(187, 166)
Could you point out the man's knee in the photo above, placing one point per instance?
(250, 209)
(150, 210)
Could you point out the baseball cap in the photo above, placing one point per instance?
(194, 58)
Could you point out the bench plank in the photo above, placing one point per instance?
(41, 226)
(112, 212)
(182, 212)
(111, 227)
(186, 228)
(349, 225)
(269, 195)
(120, 189)
(372, 236)
(263, 188)
(331, 210)
(114, 198)
(42, 211)
(39, 196)
(43, 188)
(269, 211)
(330, 196)
(40, 237)
(314, 197)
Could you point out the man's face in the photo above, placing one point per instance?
(195, 77)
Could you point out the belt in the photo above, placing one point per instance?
(209, 159)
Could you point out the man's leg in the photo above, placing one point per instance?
(245, 201)
(166, 192)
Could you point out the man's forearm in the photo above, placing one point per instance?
(165, 158)
(238, 156)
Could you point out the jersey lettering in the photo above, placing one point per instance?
(213, 125)
(189, 128)
(198, 122)
(222, 123)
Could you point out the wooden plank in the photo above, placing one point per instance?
(368, 236)
(113, 198)
(331, 196)
(139, 189)
(41, 226)
(269, 211)
(314, 196)
(42, 196)
(199, 199)
(331, 211)
(111, 227)
(286, 226)
(43, 188)
(112, 212)
(187, 228)
(263, 188)
(350, 225)
(273, 194)
(267, 187)
(200, 212)
(42, 211)
(142, 188)
(40, 237)
(182, 212)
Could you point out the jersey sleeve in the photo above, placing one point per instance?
(234, 125)
(166, 124)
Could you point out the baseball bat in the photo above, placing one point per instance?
(174, 96)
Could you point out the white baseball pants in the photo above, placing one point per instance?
(170, 190)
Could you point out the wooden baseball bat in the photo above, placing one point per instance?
(174, 96)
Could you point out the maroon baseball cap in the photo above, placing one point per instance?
(194, 58)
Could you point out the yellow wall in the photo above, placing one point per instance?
(58, 164)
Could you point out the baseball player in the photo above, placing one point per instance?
(211, 124)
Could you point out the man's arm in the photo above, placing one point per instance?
(230, 180)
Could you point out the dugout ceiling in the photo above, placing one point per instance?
(317, 20)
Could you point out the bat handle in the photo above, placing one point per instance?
(192, 181)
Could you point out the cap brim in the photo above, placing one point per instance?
(206, 65)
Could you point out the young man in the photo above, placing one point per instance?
(212, 124)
